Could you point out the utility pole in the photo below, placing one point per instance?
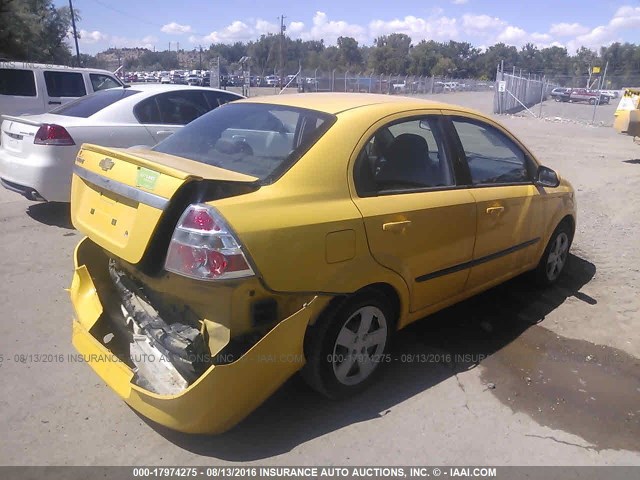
(200, 57)
(169, 46)
(75, 33)
(282, 29)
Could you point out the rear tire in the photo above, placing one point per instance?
(555, 257)
(347, 346)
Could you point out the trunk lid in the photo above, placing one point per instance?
(18, 134)
(119, 196)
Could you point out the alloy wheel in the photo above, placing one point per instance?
(557, 256)
(359, 344)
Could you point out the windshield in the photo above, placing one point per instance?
(90, 104)
(260, 140)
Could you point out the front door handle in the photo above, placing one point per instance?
(164, 132)
(396, 226)
(495, 210)
(52, 102)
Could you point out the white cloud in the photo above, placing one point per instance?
(329, 30)
(625, 18)
(459, 2)
(540, 37)
(431, 28)
(262, 27)
(238, 31)
(120, 42)
(174, 28)
(482, 24)
(512, 35)
(89, 38)
(295, 28)
(567, 29)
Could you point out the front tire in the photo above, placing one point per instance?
(348, 345)
(555, 257)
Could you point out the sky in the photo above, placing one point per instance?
(162, 24)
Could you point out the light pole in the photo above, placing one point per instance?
(75, 33)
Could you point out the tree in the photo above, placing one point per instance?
(494, 56)
(391, 53)
(423, 57)
(35, 30)
(350, 55)
(264, 53)
(443, 67)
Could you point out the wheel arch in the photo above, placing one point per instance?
(571, 221)
(388, 291)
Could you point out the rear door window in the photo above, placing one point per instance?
(64, 84)
(180, 108)
(172, 108)
(19, 83)
(147, 111)
(102, 82)
(90, 104)
(215, 99)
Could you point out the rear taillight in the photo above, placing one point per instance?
(49, 134)
(204, 247)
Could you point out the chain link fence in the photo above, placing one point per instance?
(610, 81)
(531, 94)
(364, 82)
(517, 92)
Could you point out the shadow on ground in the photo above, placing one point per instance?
(634, 161)
(51, 213)
(474, 329)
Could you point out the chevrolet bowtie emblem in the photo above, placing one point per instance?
(106, 164)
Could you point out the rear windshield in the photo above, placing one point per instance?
(260, 140)
(17, 82)
(86, 106)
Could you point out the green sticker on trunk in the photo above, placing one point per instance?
(147, 178)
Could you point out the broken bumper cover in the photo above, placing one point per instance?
(221, 397)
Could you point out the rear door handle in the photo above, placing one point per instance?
(164, 132)
(495, 210)
(396, 226)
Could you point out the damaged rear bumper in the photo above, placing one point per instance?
(222, 396)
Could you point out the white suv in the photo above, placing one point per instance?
(32, 88)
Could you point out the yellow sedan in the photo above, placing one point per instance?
(296, 233)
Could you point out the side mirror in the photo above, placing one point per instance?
(545, 177)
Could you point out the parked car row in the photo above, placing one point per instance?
(180, 77)
(562, 94)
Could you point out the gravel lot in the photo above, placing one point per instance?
(549, 377)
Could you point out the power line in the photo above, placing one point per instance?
(128, 15)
